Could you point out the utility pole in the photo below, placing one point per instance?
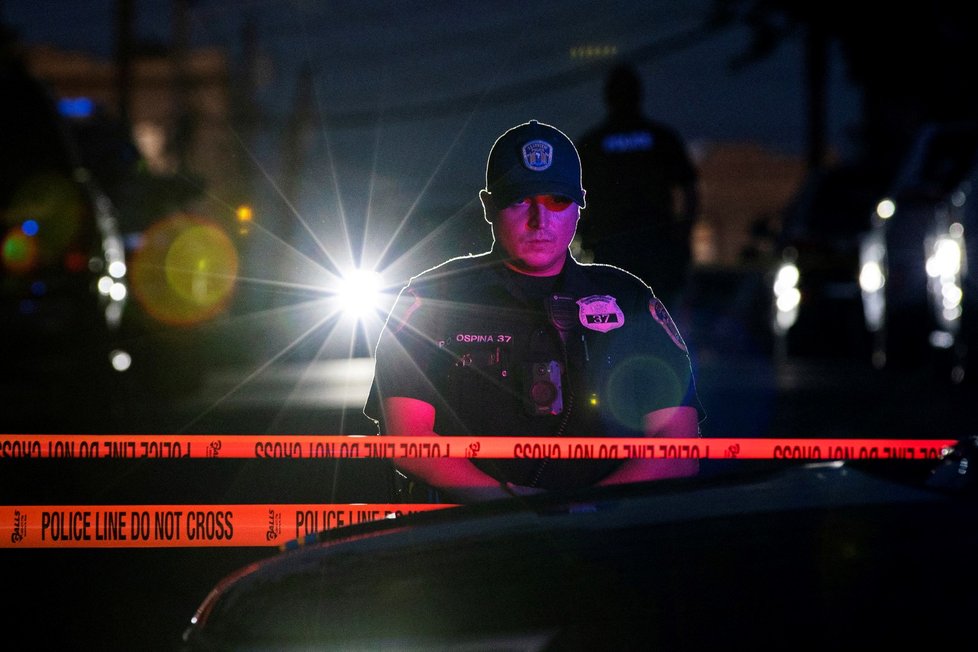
(816, 72)
(297, 131)
(124, 15)
(246, 91)
(183, 132)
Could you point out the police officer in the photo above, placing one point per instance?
(643, 192)
(524, 340)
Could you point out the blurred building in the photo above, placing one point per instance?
(182, 120)
(179, 113)
(744, 188)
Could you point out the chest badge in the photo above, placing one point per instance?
(601, 313)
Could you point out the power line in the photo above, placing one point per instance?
(519, 91)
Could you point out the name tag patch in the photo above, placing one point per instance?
(600, 312)
(483, 338)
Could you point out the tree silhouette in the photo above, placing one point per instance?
(912, 62)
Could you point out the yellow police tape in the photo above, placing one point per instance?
(164, 526)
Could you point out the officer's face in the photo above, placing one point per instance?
(536, 232)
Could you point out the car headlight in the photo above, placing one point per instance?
(787, 296)
(871, 278)
(944, 266)
(945, 258)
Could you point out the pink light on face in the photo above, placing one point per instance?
(536, 232)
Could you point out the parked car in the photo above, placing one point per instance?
(795, 555)
(814, 290)
(893, 279)
(951, 263)
(62, 269)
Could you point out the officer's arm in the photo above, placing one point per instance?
(458, 477)
(679, 421)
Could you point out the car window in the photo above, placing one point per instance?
(29, 143)
(948, 158)
(45, 219)
(833, 203)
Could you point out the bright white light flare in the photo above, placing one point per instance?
(360, 292)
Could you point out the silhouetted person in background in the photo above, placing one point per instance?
(642, 190)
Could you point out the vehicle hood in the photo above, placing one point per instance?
(661, 563)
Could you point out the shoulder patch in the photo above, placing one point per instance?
(661, 315)
(405, 306)
(600, 312)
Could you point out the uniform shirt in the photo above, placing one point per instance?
(630, 167)
(584, 354)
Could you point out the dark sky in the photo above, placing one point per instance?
(376, 57)
(408, 97)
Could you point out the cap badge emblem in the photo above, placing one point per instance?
(538, 155)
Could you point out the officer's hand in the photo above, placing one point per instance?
(520, 490)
